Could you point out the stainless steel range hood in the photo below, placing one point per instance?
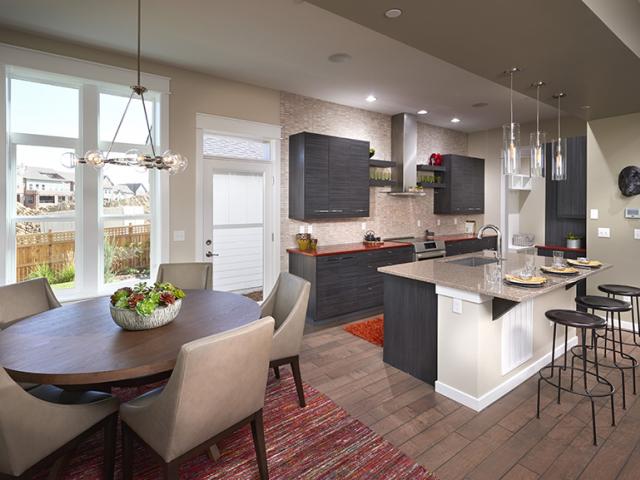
(404, 152)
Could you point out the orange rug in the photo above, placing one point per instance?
(371, 330)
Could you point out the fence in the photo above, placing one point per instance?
(56, 249)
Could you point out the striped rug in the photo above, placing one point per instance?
(320, 441)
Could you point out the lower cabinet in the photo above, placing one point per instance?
(461, 247)
(345, 284)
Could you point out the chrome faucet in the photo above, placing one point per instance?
(498, 232)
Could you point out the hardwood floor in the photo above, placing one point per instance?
(503, 441)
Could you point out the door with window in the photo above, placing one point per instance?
(238, 213)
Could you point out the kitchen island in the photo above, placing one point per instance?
(473, 341)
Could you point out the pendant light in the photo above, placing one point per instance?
(559, 160)
(168, 161)
(537, 140)
(511, 135)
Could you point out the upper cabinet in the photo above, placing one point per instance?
(328, 177)
(572, 193)
(463, 189)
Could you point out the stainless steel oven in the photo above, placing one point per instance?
(423, 249)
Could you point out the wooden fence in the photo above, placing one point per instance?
(130, 246)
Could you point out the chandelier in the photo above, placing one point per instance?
(168, 161)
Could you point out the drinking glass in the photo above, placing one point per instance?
(558, 258)
(492, 274)
(529, 265)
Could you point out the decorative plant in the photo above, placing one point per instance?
(144, 299)
(572, 236)
(372, 152)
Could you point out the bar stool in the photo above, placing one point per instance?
(613, 291)
(583, 321)
(611, 306)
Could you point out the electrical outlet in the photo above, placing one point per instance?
(604, 232)
(419, 223)
(178, 236)
(595, 214)
(456, 306)
(363, 225)
(455, 220)
(438, 222)
(636, 233)
(309, 229)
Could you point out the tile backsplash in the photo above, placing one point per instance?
(389, 216)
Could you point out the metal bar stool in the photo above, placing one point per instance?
(621, 360)
(602, 387)
(613, 291)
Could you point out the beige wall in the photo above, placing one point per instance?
(529, 204)
(612, 144)
(191, 93)
(389, 216)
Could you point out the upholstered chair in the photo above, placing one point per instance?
(188, 276)
(21, 300)
(40, 427)
(217, 386)
(287, 304)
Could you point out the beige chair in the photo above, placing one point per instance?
(217, 386)
(46, 424)
(21, 300)
(287, 304)
(188, 276)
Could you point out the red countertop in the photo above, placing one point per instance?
(562, 249)
(459, 237)
(325, 250)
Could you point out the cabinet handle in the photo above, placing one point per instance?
(361, 210)
(336, 211)
(321, 211)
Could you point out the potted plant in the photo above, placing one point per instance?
(372, 152)
(573, 241)
(143, 307)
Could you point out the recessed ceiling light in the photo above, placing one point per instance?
(340, 58)
(455, 120)
(393, 13)
(479, 104)
(371, 98)
(422, 112)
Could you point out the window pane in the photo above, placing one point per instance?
(125, 190)
(46, 249)
(134, 126)
(235, 147)
(127, 247)
(43, 109)
(43, 185)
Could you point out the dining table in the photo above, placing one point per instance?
(79, 344)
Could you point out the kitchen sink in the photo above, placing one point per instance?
(474, 261)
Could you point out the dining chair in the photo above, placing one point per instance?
(44, 425)
(287, 304)
(21, 300)
(217, 386)
(188, 276)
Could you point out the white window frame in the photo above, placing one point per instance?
(92, 79)
(220, 125)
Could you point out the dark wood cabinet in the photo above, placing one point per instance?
(346, 284)
(463, 190)
(469, 246)
(572, 192)
(328, 177)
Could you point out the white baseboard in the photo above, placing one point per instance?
(480, 403)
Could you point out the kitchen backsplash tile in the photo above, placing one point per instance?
(390, 216)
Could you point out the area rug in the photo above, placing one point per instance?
(371, 330)
(320, 441)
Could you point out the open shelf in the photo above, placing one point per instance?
(431, 168)
(381, 183)
(432, 185)
(381, 163)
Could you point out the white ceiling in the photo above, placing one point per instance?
(284, 45)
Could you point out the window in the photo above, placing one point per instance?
(226, 146)
(50, 210)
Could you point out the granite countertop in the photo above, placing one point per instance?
(443, 272)
(324, 250)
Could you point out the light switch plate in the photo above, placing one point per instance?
(456, 307)
(595, 214)
(636, 233)
(604, 232)
(178, 236)
(363, 226)
(419, 223)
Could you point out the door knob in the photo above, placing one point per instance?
(210, 254)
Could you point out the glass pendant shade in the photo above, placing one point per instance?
(559, 160)
(511, 148)
(537, 141)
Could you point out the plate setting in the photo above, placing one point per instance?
(584, 263)
(560, 270)
(533, 282)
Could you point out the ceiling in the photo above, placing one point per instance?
(285, 45)
(565, 43)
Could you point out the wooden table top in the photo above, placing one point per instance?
(79, 344)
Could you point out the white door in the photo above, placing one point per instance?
(238, 237)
